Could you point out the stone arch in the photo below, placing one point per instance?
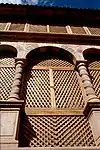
(8, 50)
(54, 49)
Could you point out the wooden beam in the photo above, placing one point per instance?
(48, 111)
(49, 37)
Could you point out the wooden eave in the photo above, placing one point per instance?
(49, 37)
(48, 15)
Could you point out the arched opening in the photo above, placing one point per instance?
(50, 80)
(93, 57)
(50, 87)
(7, 69)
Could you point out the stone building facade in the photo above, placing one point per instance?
(50, 78)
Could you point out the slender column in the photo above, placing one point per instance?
(11, 111)
(90, 93)
(92, 106)
(15, 91)
(53, 103)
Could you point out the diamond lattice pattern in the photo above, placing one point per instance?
(36, 89)
(67, 90)
(7, 62)
(54, 62)
(6, 76)
(36, 86)
(94, 70)
(61, 131)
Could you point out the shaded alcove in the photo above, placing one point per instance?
(91, 54)
(48, 52)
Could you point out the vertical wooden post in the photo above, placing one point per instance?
(14, 95)
(53, 103)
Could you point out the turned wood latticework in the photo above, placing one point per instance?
(52, 83)
(94, 70)
(7, 70)
(52, 131)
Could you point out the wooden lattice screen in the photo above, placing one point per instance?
(17, 27)
(53, 131)
(51, 88)
(78, 30)
(37, 28)
(94, 70)
(2, 26)
(94, 30)
(58, 29)
(52, 83)
(7, 70)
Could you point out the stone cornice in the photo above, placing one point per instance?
(11, 104)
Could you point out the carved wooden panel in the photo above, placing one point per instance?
(58, 29)
(17, 27)
(94, 31)
(67, 90)
(7, 71)
(78, 30)
(37, 28)
(36, 88)
(2, 26)
(53, 131)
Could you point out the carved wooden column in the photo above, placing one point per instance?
(11, 111)
(92, 106)
(15, 92)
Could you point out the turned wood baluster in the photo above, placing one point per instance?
(90, 93)
(15, 91)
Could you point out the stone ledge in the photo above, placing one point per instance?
(91, 106)
(54, 148)
(11, 104)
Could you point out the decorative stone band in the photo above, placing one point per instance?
(14, 95)
(92, 100)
